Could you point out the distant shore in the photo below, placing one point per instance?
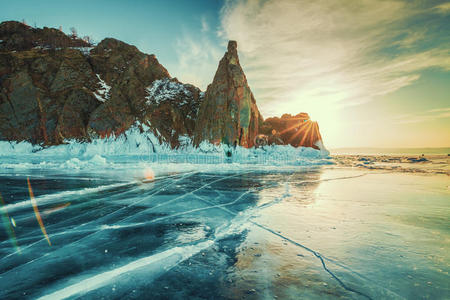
(402, 163)
(390, 151)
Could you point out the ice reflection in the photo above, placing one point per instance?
(380, 236)
(273, 266)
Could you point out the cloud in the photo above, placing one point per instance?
(427, 116)
(198, 56)
(319, 55)
(205, 25)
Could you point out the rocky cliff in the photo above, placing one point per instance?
(51, 91)
(296, 130)
(55, 87)
(229, 113)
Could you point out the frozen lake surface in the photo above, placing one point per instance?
(221, 231)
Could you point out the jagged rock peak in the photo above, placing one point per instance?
(229, 113)
(232, 47)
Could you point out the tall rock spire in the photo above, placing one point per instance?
(229, 113)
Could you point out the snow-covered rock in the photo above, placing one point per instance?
(167, 90)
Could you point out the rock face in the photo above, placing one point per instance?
(296, 130)
(125, 73)
(50, 93)
(45, 96)
(172, 108)
(55, 87)
(229, 113)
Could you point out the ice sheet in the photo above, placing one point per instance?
(236, 233)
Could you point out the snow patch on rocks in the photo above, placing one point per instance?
(166, 90)
(102, 94)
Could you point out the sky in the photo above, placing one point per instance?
(373, 73)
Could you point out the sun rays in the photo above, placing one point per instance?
(304, 133)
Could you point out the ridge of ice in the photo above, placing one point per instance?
(60, 196)
(163, 261)
(134, 146)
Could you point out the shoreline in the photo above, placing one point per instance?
(428, 164)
